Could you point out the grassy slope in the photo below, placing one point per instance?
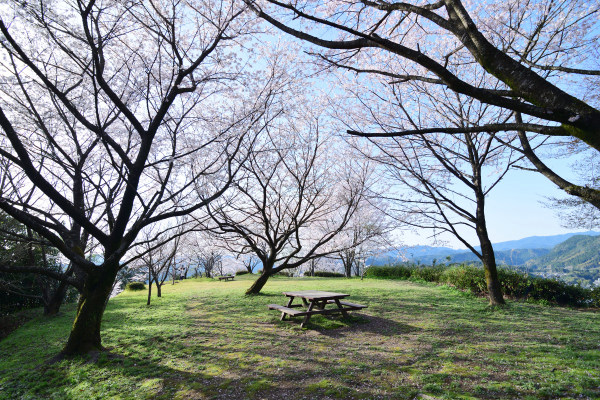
(205, 339)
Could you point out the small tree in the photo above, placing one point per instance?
(250, 262)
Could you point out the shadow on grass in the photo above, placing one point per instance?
(363, 323)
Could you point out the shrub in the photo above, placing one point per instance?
(326, 274)
(558, 292)
(595, 297)
(285, 273)
(514, 284)
(427, 274)
(134, 286)
(388, 272)
(242, 272)
(466, 277)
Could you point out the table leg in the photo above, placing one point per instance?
(344, 313)
(307, 316)
(288, 305)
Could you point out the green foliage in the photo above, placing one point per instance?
(326, 274)
(515, 284)
(389, 272)
(466, 277)
(16, 249)
(241, 272)
(287, 274)
(135, 286)
(429, 274)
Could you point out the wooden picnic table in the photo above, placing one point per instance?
(315, 302)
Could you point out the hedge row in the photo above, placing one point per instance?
(325, 274)
(241, 272)
(514, 284)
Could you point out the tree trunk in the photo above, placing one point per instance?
(54, 301)
(491, 274)
(262, 279)
(149, 291)
(158, 286)
(487, 255)
(85, 333)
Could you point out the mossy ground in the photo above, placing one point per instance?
(205, 339)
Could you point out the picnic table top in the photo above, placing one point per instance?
(316, 294)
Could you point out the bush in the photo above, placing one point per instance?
(559, 292)
(388, 272)
(241, 272)
(514, 284)
(135, 286)
(595, 297)
(326, 274)
(287, 274)
(427, 274)
(466, 277)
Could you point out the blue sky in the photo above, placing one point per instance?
(515, 208)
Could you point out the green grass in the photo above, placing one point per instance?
(205, 339)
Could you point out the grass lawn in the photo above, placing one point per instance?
(205, 339)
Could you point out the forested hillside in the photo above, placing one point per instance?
(576, 259)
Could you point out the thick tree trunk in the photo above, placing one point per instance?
(158, 292)
(85, 333)
(262, 279)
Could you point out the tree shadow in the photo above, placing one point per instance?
(364, 323)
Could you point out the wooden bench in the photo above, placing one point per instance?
(226, 278)
(307, 313)
(353, 306)
(286, 310)
(315, 302)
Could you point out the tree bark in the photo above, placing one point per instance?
(149, 290)
(262, 279)
(55, 300)
(85, 333)
(487, 255)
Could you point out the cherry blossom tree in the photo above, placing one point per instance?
(443, 180)
(540, 59)
(367, 233)
(294, 195)
(156, 255)
(117, 116)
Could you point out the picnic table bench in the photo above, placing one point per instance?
(226, 278)
(315, 302)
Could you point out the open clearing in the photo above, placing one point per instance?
(205, 339)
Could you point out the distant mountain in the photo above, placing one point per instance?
(540, 242)
(503, 257)
(530, 247)
(573, 257)
(576, 259)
